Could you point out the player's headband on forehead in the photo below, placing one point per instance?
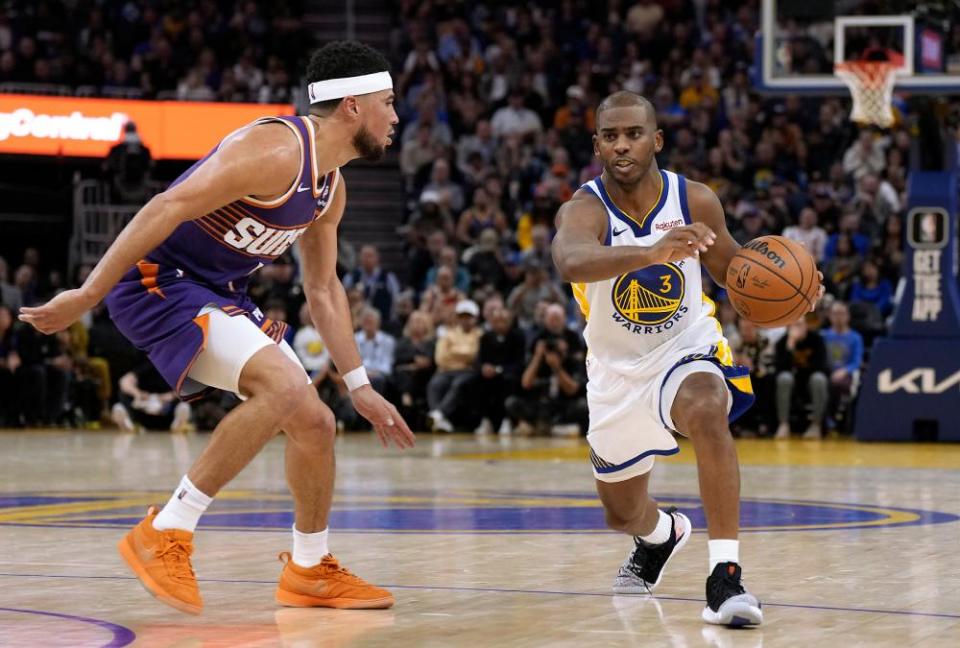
(340, 88)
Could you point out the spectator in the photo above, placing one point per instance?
(482, 215)
(310, 349)
(539, 250)
(427, 116)
(418, 151)
(575, 105)
(542, 212)
(380, 287)
(10, 295)
(752, 225)
(455, 357)
(9, 363)
(755, 351)
(515, 119)
(424, 257)
(864, 156)
(552, 385)
(843, 267)
(500, 363)
(147, 400)
(699, 92)
(482, 142)
(414, 365)
(25, 283)
(440, 299)
(850, 226)
(801, 358)
(844, 356)
(448, 259)
(128, 166)
(871, 288)
(485, 262)
(535, 288)
(376, 350)
(403, 307)
(448, 193)
(808, 234)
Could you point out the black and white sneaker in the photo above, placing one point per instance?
(643, 569)
(727, 602)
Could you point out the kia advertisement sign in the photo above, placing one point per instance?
(70, 126)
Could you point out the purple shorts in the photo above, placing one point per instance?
(157, 308)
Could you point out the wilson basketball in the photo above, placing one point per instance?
(772, 281)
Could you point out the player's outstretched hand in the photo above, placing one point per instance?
(384, 417)
(682, 242)
(820, 292)
(58, 313)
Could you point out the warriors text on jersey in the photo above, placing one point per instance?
(631, 316)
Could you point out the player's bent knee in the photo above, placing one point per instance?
(313, 426)
(701, 402)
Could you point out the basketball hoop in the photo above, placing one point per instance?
(871, 85)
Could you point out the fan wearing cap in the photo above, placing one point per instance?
(455, 356)
(175, 285)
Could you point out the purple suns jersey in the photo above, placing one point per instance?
(225, 246)
(207, 262)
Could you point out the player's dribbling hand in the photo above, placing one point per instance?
(683, 242)
(58, 313)
(384, 417)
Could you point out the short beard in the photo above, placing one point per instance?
(367, 146)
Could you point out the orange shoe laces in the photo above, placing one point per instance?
(329, 566)
(176, 557)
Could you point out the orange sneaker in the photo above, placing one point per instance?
(327, 585)
(161, 560)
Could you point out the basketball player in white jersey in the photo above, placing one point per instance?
(631, 242)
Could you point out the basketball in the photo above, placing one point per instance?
(772, 281)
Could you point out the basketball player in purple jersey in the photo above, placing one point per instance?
(632, 242)
(175, 284)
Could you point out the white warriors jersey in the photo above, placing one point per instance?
(631, 316)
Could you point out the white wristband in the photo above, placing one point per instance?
(356, 378)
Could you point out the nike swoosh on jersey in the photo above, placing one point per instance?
(302, 188)
(618, 232)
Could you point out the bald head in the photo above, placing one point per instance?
(627, 99)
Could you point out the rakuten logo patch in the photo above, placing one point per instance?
(23, 122)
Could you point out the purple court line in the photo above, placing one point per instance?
(499, 590)
(121, 636)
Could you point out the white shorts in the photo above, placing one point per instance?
(230, 343)
(630, 422)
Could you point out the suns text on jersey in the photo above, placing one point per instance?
(253, 237)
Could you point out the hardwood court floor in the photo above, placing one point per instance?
(485, 542)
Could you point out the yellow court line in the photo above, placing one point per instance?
(765, 452)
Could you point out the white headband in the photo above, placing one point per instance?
(358, 85)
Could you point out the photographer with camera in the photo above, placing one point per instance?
(553, 395)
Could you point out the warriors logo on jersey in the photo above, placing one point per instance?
(649, 297)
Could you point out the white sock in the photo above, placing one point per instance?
(661, 532)
(184, 509)
(723, 551)
(309, 548)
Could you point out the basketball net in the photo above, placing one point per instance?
(871, 85)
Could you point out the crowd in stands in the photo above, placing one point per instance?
(475, 331)
(210, 50)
